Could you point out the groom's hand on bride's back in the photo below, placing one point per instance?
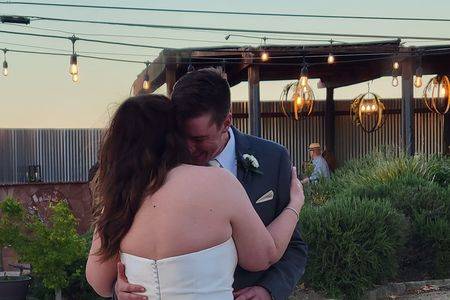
(252, 293)
(123, 289)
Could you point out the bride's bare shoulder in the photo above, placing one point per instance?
(203, 173)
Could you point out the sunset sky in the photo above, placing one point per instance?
(39, 93)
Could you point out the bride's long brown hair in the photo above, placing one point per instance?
(140, 147)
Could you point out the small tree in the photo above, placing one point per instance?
(50, 249)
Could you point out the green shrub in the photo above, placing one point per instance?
(417, 187)
(383, 167)
(353, 244)
(427, 206)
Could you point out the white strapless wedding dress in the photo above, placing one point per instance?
(202, 275)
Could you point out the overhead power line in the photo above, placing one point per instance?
(241, 30)
(220, 60)
(269, 38)
(83, 56)
(237, 13)
(127, 35)
(83, 39)
(79, 52)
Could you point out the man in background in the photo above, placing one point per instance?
(321, 168)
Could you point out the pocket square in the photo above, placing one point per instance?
(266, 197)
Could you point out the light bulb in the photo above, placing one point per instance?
(264, 56)
(73, 65)
(5, 68)
(304, 76)
(146, 85)
(395, 81)
(363, 108)
(396, 65)
(303, 81)
(298, 100)
(418, 81)
(73, 69)
(330, 58)
(374, 108)
(443, 91)
(75, 78)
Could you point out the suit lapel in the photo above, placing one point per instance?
(242, 147)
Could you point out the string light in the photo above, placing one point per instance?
(73, 69)
(5, 63)
(304, 74)
(395, 68)
(419, 72)
(264, 54)
(394, 81)
(396, 65)
(418, 78)
(331, 59)
(146, 83)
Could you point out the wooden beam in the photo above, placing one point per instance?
(254, 100)
(330, 132)
(407, 115)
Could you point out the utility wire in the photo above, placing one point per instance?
(230, 61)
(125, 36)
(241, 30)
(83, 39)
(80, 55)
(279, 39)
(79, 52)
(240, 13)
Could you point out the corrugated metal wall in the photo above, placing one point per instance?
(351, 141)
(65, 155)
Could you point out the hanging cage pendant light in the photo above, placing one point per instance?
(436, 94)
(297, 100)
(365, 106)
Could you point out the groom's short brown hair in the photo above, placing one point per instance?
(202, 91)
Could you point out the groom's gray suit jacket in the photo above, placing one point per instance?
(275, 164)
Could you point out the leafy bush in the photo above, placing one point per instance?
(381, 167)
(56, 252)
(417, 187)
(353, 244)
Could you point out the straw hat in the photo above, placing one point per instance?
(314, 146)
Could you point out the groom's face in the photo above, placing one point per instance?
(206, 138)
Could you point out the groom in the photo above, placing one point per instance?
(202, 103)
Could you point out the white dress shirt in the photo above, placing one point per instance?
(227, 158)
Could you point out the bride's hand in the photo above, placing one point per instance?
(297, 195)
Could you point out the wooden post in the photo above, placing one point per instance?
(407, 115)
(330, 131)
(447, 134)
(254, 100)
(171, 78)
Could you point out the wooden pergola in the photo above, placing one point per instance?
(355, 63)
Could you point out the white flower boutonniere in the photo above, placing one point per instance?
(251, 163)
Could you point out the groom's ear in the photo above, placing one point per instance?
(227, 122)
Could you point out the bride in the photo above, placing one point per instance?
(180, 229)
